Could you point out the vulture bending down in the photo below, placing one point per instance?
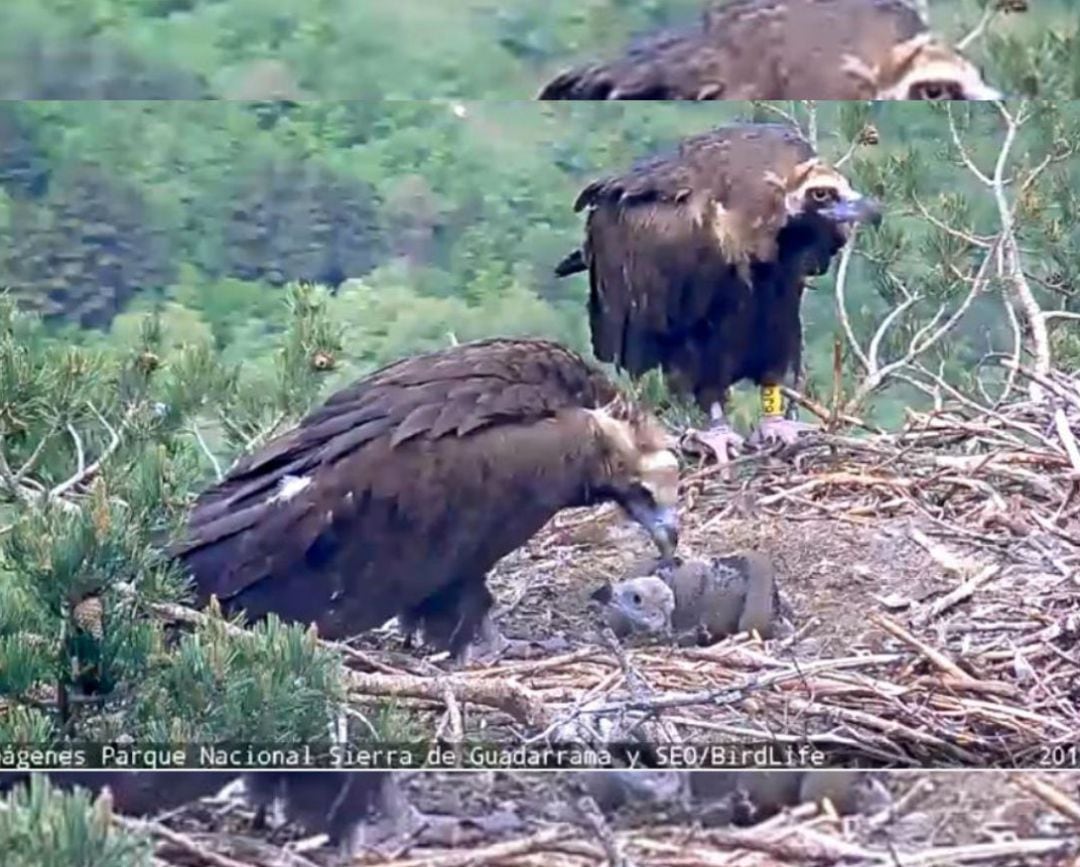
(400, 492)
(350, 807)
(785, 49)
(697, 262)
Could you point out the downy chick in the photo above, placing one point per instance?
(710, 599)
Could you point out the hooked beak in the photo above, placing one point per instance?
(857, 209)
(662, 524)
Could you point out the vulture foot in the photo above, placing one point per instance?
(495, 647)
(719, 441)
(454, 831)
(489, 646)
(777, 429)
(388, 834)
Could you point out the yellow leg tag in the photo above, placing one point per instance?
(772, 401)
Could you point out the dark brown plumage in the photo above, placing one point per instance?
(785, 49)
(399, 493)
(136, 793)
(697, 259)
(732, 797)
(747, 797)
(335, 803)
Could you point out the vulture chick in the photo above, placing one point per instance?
(732, 797)
(702, 600)
(399, 493)
(616, 789)
(786, 49)
(747, 797)
(697, 261)
(642, 605)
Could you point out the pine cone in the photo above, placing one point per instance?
(89, 616)
(147, 362)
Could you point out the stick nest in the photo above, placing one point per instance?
(934, 573)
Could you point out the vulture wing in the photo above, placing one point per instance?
(666, 242)
(783, 49)
(670, 65)
(802, 49)
(313, 487)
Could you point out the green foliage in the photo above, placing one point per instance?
(285, 220)
(218, 683)
(436, 219)
(86, 249)
(272, 50)
(386, 318)
(180, 231)
(101, 449)
(23, 161)
(75, 53)
(44, 827)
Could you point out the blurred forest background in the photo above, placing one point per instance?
(186, 278)
(415, 49)
(438, 221)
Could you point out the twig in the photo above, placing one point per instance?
(937, 658)
(218, 474)
(1052, 796)
(89, 470)
(979, 29)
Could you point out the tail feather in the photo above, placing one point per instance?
(572, 264)
(579, 83)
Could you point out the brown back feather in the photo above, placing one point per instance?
(656, 270)
(416, 480)
(752, 49)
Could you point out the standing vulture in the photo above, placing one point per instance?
(697, 262)
(785, 49)
(400, 492)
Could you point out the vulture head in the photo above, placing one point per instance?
(821, 208)
(638, 471)
(817, 190)
(784, 49)
(637, 606)
(922, 68)
(802, 212)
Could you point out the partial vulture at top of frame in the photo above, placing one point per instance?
(787, 49)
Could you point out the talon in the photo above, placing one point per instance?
(777, 429)
(488, 648)
(718, 441)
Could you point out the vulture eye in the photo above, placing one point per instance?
(822, 195)
(935, 90)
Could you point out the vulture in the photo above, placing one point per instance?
(785, 49)
(698, 599)
(732, 797)
(399, 493)
(340, 804)
(697, 261)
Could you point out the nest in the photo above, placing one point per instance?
(935, 577)
(1008, 820)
